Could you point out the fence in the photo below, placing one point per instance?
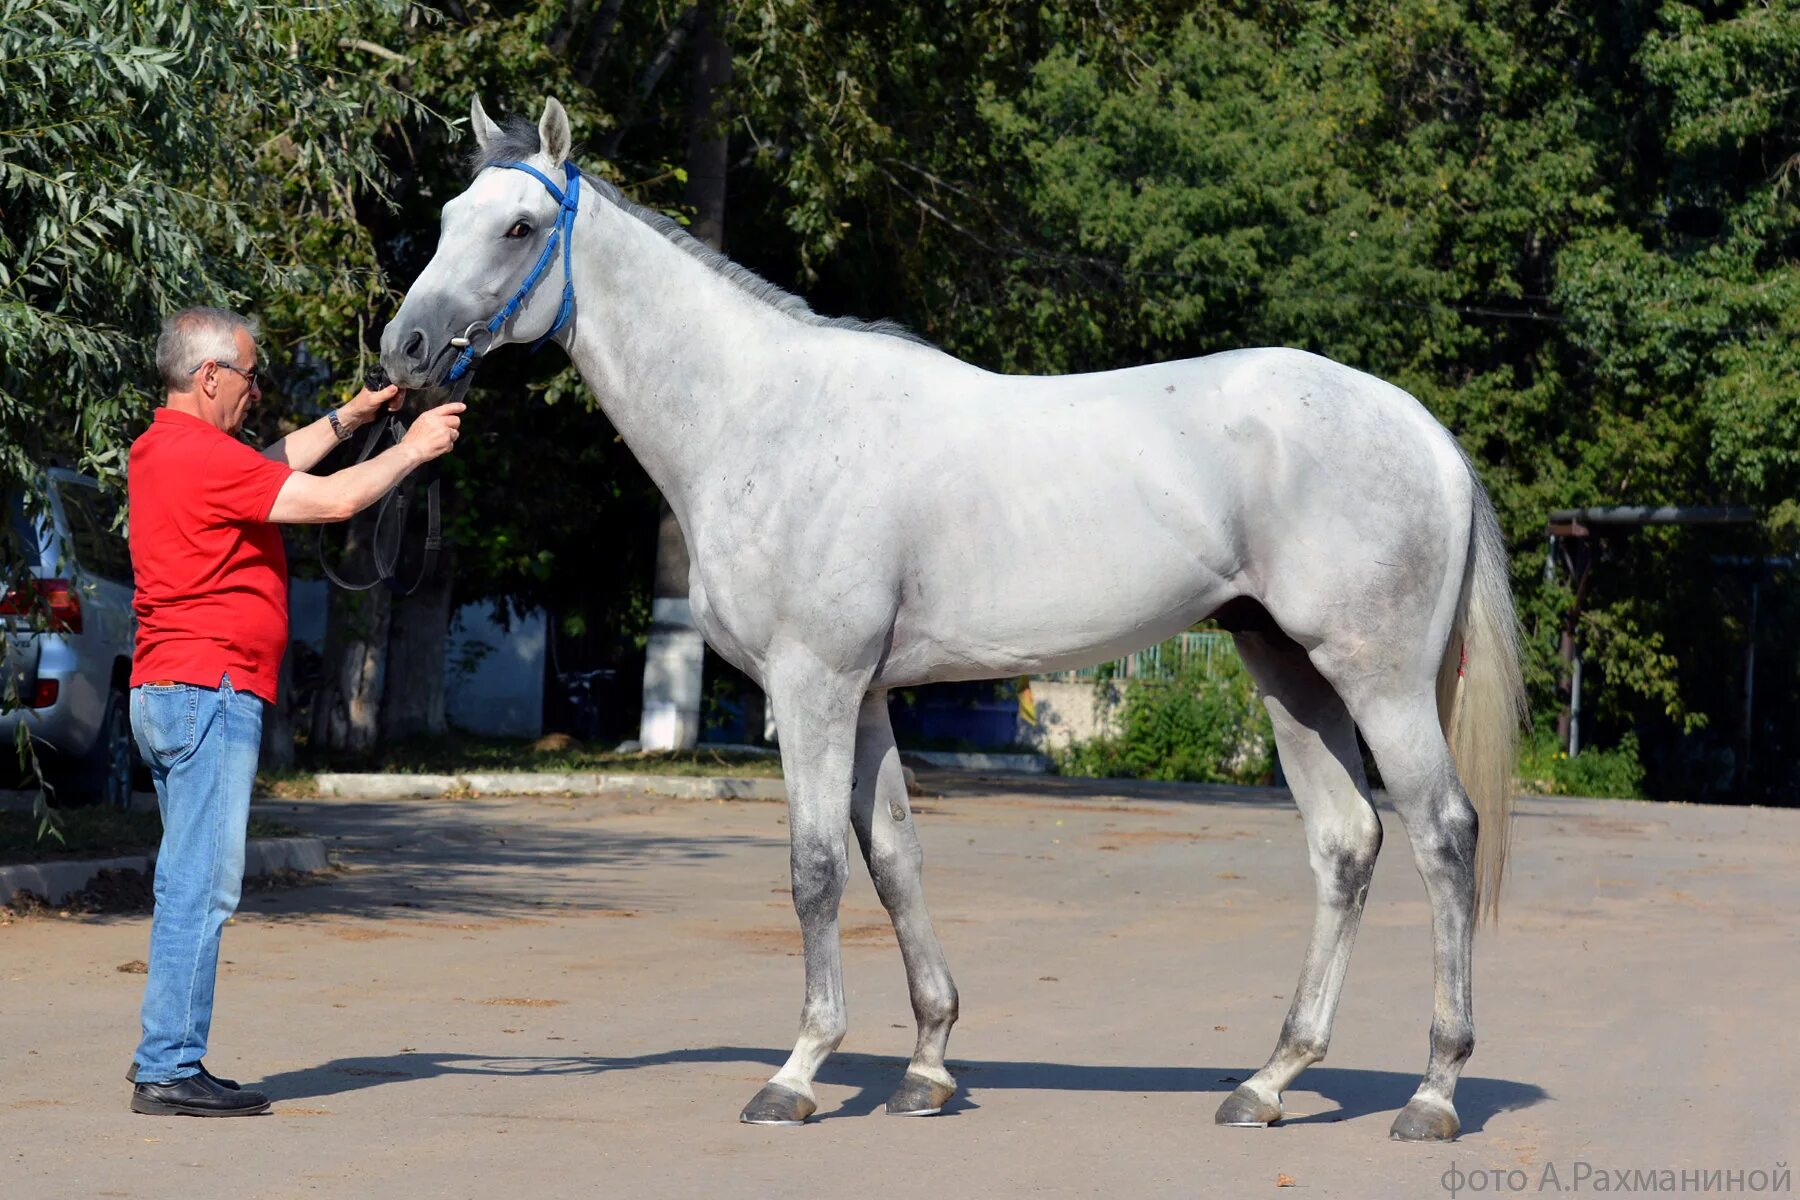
(1161, 661)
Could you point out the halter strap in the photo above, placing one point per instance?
(569, 200)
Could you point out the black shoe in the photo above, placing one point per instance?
(195, 1096)
(228, 1084)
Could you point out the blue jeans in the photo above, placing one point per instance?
(201, 745)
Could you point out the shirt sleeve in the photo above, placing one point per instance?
(240, 484)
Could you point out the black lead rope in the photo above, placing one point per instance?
(389, 426)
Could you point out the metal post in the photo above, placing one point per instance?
(1750, 676)
(1575, 707)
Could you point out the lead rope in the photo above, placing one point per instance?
(385, 426)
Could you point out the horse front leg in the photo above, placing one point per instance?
(816, 710)
(882, 818)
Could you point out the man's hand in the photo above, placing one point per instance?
(366, 405)
(435, 431)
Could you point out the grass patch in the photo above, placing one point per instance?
(98, 833)
(1545, 770)
(459, 754)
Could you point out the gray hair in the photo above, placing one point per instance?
(195, 335)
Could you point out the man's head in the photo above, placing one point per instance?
(207, 359)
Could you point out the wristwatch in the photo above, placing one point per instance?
(337, 426)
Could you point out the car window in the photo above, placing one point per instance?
(90, 514)
(21, 533)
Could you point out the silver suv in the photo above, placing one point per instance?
(69, 682)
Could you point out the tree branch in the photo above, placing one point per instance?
(678, 33)
(599, 37)
(372, 48)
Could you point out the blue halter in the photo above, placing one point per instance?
(564, 231)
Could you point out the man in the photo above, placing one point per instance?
(211, 605)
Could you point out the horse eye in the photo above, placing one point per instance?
(519, 229)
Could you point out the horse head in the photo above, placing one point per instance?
(504, 234)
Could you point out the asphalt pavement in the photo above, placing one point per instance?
(548, 997)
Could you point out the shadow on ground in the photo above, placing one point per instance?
(1356, 1093)
(465, 859)
(1052, 789)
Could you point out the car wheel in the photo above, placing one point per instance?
(104, 776)
(114, 755)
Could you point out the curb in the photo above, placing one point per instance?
(1024, 764)
(56, 881)
(343, 786)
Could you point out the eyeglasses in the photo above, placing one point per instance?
(252, 376)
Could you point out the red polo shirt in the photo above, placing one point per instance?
(211, 571)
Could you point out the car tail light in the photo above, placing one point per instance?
(44, 694)
(59, 597)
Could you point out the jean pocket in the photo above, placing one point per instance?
(164, 719)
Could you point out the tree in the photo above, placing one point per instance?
(127, 190)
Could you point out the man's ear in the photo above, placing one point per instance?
(553, 131)
(485, 129)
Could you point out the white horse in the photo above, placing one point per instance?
(865, 512)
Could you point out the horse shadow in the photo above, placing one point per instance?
(1357, 1093)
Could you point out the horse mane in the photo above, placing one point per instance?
(519, 140)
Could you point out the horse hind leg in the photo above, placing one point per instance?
(1317, 742)
(890, 845)
(1420, 776)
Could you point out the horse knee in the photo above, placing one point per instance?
(820, 870)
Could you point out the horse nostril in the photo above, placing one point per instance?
(415, 345)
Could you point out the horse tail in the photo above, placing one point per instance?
(1481, 696)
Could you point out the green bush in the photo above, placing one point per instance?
(1201, 726)
(1544, 769)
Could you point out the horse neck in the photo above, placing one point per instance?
(675, 352)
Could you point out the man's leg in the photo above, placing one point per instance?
(202, 746)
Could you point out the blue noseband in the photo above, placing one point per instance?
(563, 231)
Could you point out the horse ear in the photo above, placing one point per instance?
(553, 131)
(485, 129)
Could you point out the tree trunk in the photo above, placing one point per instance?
(278, 721)
(412, 701)
(347, 710)
(675, 655)
(708, 149)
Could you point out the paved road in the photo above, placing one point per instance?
(511, 997)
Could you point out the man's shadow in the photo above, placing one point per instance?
(1357, 1093)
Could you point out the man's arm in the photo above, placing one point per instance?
(317, 499)
(304, 448)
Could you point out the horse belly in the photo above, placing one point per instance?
(1048, 566)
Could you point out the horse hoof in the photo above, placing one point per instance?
(1247, 1108)
(777, 1105)
(1426, 1121)
(918, 1096)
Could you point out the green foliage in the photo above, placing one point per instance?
(1570, 232)
(131, 186)
(1199, 726)
(1546, 770)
